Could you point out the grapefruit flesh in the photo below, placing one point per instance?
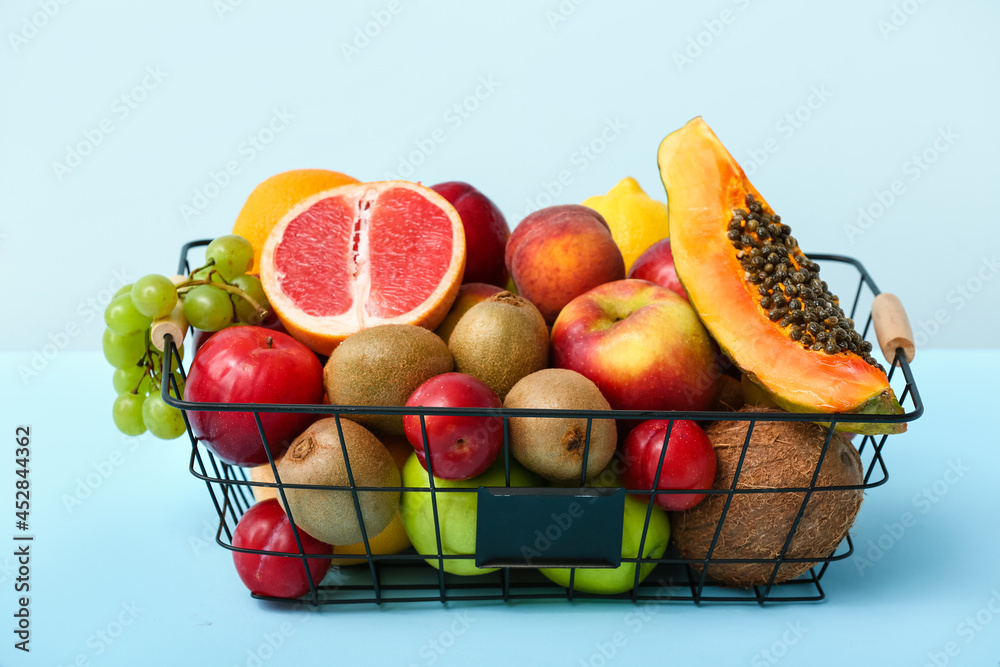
(361, 255)
(273, 198)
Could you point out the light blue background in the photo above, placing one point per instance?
(144, 535)
(555, 85)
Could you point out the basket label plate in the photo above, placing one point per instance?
(549, 527)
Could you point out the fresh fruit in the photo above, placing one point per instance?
(486, 232)
(317, 458)
(154, 295)
(456, 512)
(383, 366)
(560, 252)
(133, 378)
(688, 464)
(361, 255)
(244, 310)
(230, 255)
(461, 446)
(164, 421)
(208, 308)
(779, 455)
(123, 351)
(393, 538)
(747, 280)
(469, 294)
(637, 221)
(213, 297)
(273, 198)
(265, 527)
(553, 446)
(614, 581)
(252, 365)
(500, 341)
(136, 379)
(641, 344)
(123, 318)
(199, 336)
(510, 286)
(657, 266)
(754, 395)
(127, 413)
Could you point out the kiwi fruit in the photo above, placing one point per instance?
(262, 473)
(779, 455)
(383, 365)
(553, 446)
(316, 458)
(397, 445)
(500, 340)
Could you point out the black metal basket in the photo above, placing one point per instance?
(513, 513)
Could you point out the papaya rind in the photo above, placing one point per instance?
(882, 403)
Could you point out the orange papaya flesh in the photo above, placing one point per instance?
(758, 295)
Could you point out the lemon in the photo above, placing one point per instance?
(637, 220)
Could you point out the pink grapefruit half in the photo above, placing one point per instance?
(360, 255)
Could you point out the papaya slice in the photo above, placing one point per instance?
(758, 295)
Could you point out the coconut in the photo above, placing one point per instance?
(780, 455)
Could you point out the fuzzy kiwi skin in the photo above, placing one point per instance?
(500, 340)
(316, 457)
(553, 446)
(383, 365)
(780, 455)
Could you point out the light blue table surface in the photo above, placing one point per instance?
(130, 575)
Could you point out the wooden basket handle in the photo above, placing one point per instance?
(892, 327)
(174, 324)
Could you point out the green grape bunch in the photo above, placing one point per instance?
(215, 296)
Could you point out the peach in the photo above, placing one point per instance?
(556, 254)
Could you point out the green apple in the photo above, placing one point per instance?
(612, 581)
(456, 512)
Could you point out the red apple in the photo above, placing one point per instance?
(265, 527)
(460, 446)
(486, 232)
(199, 336)
(688, 464)
(641, 344)
(252, 365)
(656, 265)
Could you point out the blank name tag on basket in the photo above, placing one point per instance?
(549, 527)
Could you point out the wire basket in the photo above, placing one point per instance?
(507, 514)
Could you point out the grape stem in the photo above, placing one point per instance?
(232, 289)
(146, 371)
(209, 263)
(152, 370)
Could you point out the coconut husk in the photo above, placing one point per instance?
(780, 455)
